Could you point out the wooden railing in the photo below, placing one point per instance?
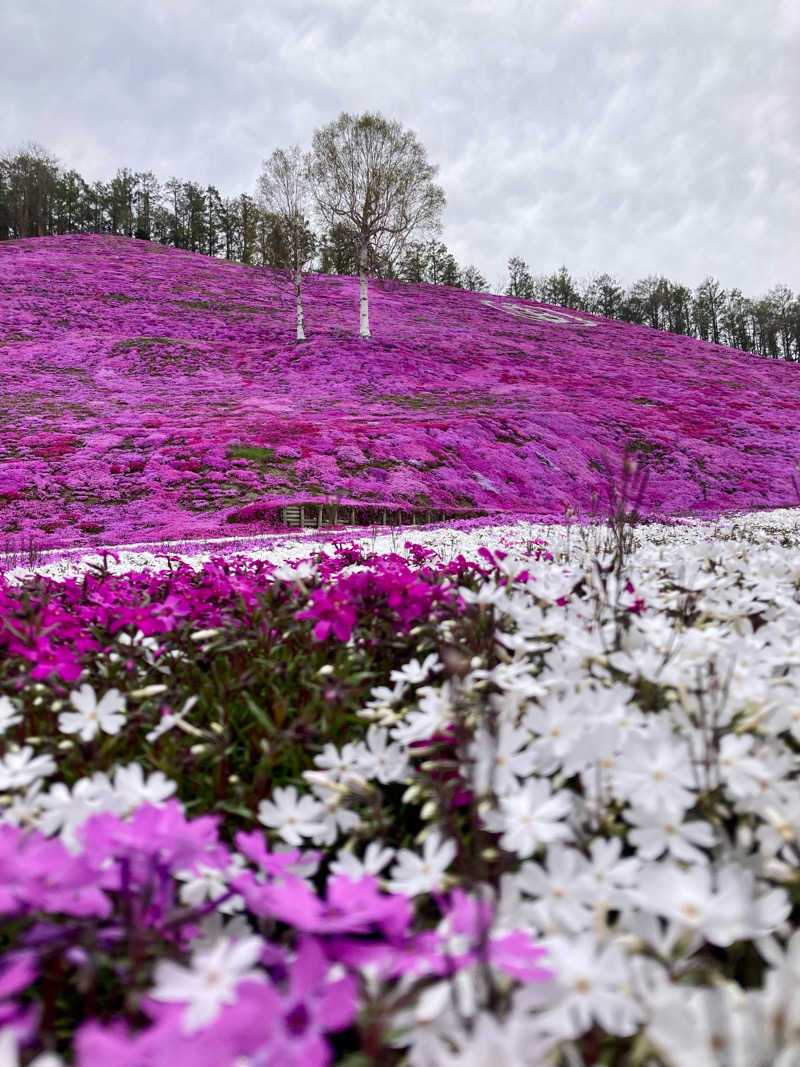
(317, 516)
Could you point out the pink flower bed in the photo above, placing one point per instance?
(150, 393)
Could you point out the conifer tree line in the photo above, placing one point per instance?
(38, 197)
(769, 326)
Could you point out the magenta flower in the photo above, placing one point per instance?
(311, 1005)
(332, 616)
(39, 874)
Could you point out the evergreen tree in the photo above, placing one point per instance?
(413, 265)
(213, 211)
(121, 198)
(147, 196)
(472, 279)
(520, 283)
(450, 272)
(71, 208)
(30, 179)
(605, 296)
(560, 290)
(708, 305)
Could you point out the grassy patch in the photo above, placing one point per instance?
(263, 456)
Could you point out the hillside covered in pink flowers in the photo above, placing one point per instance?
(149, 394)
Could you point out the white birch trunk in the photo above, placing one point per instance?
(363, 301)
(298, 299)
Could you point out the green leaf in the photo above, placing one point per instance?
(355, 1059)
(259, 714)
(236, 809)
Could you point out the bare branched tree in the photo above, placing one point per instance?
(284, 191)
(373, 177)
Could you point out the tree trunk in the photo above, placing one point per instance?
(298, 297)
(363, 305)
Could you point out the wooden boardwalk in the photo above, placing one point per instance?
(317, 516)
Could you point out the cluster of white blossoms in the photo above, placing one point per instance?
(60, 810)
(635, 741)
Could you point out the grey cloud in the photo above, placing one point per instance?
(634, 138)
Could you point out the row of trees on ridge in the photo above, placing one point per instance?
(302, 216)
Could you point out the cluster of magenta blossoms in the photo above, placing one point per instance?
(153, 394)
(109, 910)
(50, 629)
(140, 934)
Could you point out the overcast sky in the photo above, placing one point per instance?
(630, 136)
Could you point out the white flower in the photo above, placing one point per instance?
(166, 722)
(739, 769)
(719, 1027)
(608, 878)
(374, 860)
(383, 697)
(661, 828)
(431, 715)
(382, 760)
(592, 985)
(132, 789)
(414, 874)
(300, 571)
(210, 981)
(9, 1052)
(556, 905)
(8, 715)
(20, 769)
(532, 817)
(487, 593)
(90, 716)
(336, 819)
(501, 758)
(557, 725)
(655, 769)
(727, 911)
(293, 817)
(204, 883)
(63, 811)
(781, 993)
(336, 764)
(493, 1043)
(414, 673)
(24, 810)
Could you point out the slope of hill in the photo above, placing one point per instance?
(150, 393)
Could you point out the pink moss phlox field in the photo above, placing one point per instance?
(150, 393)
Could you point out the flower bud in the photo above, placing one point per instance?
(202, 635)
(147, 691)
